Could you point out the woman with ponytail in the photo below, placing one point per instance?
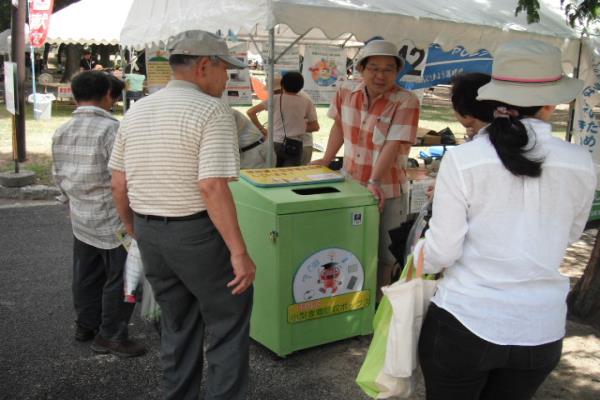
(506, 206)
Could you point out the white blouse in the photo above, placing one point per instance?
(501, 238)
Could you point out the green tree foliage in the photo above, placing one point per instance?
(5, 7)
(577, 12)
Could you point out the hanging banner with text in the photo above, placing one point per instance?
(10, 87)
(158, 71)
(39, 21)
(586, 128)
(322, 68)
(441, 66)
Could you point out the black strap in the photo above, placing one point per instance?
(281, 113)
(198, 215)
(252, 145)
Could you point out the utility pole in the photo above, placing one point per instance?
(18, 178)
(18, 56)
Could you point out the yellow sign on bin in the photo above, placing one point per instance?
(303, 175)
(328, 306)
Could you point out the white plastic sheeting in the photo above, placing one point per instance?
(5, 40)
(89, 22)
(474, 24)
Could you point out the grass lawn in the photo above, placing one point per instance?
(436, 114)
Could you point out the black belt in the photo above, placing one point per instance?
(253, 145)
(198, 215)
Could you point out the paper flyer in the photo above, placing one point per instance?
(290, 176)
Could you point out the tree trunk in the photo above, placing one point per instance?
(73, 52)
(584, 299)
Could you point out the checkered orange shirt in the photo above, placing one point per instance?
(393, 115)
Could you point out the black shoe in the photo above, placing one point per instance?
(84, 334)
(122, 348)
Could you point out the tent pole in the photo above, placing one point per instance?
(123, 73)
(346, 41)
(270, 76)
(262, 54)
(569, 133)
(290, 46)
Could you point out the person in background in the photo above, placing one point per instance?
(134, 84)
(252, 144)
(376, 121)
(307, 139)
(173, 158)
(473, 114)
(506, 205)
(80, 153)
(87, 63)
(294, 115)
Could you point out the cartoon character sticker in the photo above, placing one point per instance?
(329, 278)
(327, 273)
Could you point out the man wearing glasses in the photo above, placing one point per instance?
(376, 121)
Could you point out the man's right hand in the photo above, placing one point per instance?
(244, 271)
(129, 229)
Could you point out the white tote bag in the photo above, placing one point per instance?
(409, 297)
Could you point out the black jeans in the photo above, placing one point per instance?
(98, 290)
(458, 365)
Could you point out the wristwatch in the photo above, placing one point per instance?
(374, 182)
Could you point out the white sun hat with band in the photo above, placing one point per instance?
(379, 48)
(529, 73)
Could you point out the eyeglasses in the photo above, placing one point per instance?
(384, 71)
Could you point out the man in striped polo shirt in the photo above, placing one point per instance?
(376, 121)
(175, 152)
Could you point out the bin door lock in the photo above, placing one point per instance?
(273, 236)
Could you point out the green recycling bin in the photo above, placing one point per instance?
(313, 236)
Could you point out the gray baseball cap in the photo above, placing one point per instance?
(202, 43)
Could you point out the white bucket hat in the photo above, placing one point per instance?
(202, 43)
(379, 48)
(528, 73)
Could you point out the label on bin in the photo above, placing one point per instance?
(328, 306)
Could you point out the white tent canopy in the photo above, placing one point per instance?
(474, 24)
(89, 22)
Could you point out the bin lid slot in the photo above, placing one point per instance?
(315, 190)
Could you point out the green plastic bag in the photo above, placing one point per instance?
(373, 364)
(371, 377)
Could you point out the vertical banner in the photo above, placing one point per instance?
(322, 68)
(586, 129)
(239, 89)
(10, 87)
(39, 21)
(158, 71)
